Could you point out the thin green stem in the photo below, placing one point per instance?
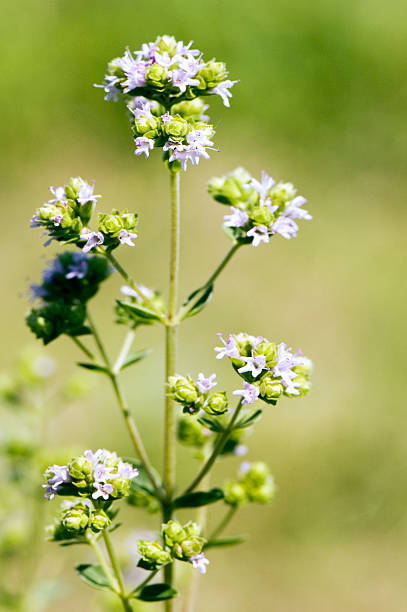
(170, 359)
(145, 582)
(128, 341)
(223, 524)
(98, 340)
(132, 284)
(117, 571)
(83, 348)
(211, 279)
(220, 443)
(102, 562)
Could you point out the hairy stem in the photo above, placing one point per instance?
(117, 571)
(170, 355)
(218, 448)
(102, 562)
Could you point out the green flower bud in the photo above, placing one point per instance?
(270, 389)
(192, 433)
(99, 521)
(73, 187)
(224, 190)
(211, 75)
(183, 390)
(264, 494)
(173, 533)
(76, 518)
(262, 215)
(191, 529)
(149, 127)
(217, 403)
(109, 224)
(141, 499)
(282, 193)
(302, 384)
(153, 552)
(81, 469)
(167, 44)
(156, 77)
(192, 546)
(176, 129)
(235, 493)
(305, 367)
(257, 475)
(269, 350)
(189, 109)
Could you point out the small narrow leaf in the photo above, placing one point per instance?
(250, 420)
(93, 575)
(135, 357)
(140, 311)
(147, 565)
(211, 424)
(95, 367)
(199, 498)
(230, 541)
(156, 592)
(200, 303)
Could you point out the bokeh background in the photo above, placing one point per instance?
(321, 102)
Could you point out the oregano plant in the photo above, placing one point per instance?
(163, 88)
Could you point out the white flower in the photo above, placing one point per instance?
(92, 239)
(134, 70)
(283, 368)
(60, 196)
(262, 187)
(86, 194)
(238, 218)
(229, 350)
(181, 79)
(285, 226)
(200, 562)
(222, 90)
(110, 87)
(259, 233)
(294, 211)
(140, 107)
(249, 394)
(148, 293)
(102, 490)
(254, 365)
(58, 475)
(126, 237)
(205, 384)
(143, 145)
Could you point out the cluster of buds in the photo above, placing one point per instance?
(66, 217)
(52, 320)
(76, 518)
(126, 314)
(191, 433)
(269, 370)
(181, 542)
(100, 475)
(162, 84)
(194, 396)
(255, 484)
(259, 209)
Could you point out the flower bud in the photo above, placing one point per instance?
(73, 187)
(99, 521)
(189, 109)
(305, 366)
(173, 533)
(211, 75)
(149, 127)
(269, 350)
(153, 552)
(235, 493)
(302, 384)
(80, 468)
(270, 389)
(76, 518)
(216, 404)
(262, 215)
(263, 494)
(183, 390)
(192, 546)
(282, 193)
(191, 433)
(224, 190)
(156, 77)
(257, 474)
(191, 529)
(176, 129)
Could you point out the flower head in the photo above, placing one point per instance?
(249, 394)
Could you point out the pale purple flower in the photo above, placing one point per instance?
(102, 490)
(102, 473)
(79, 267)
(35, 221)
(190, 65)
(254, 365)
(294, 211)
(285, 226)
(93, 239)
(206, 384)
(125, 470)
(134, 70)
(57, 220)
(60, 196)
(262, 187)
(238, 218)
(240, 450)
(245, 467)
(222, 90)
(182, 79)
(38, 291)
(163, 59)
(166, 118)
(198, 141)
(283, 368)
(58, 475)
(110, 88)
(126, 237)
(229, 350)
(143, 145)
(249, 394)
(200, 562)
(86, 194)
(259, 233)
(148, 293)
(140, 107)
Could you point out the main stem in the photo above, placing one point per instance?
(117, 572)
(170, 360)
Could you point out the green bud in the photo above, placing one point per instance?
(269, 350)
(73, 187)
(114, 67)
(80, 468)
(156, 77)
(176, 129)
(264, 494)
(270, 388)
(183, 390)
(192, 546)
(76, 518)
(167, 44)
(99, 521)
(224, 190)
(191, 433)
(191, 529)
(257, 475)
(235, 493)
(305, 367)
(173, 533)
(189, 109)
(211, 75)
(262, 215)
(282, 193)
(153, 552)
(147, 126)
(217, 403)
(302, 384)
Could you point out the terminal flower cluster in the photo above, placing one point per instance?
(258, 209)
(194, 396)
(76, 518)
(93, 475)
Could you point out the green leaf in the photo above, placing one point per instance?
(95, 367)
(93, 575)
(73, 542)
(200, 304)
(156, 592)
(230, 541)
(250, 420)
(199, 498)
(211, 424)
(147, 565)
(135, 357)
(140, 311)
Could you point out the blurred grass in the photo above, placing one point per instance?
(321, 102)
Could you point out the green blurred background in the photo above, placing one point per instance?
(321, 102)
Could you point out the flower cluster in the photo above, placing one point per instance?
(269, 370)
(179, 542)
(162, 84)
(76, 518)
(100, 475)
(194, 396)
(66, 216)
(255, 484)
(259, 209)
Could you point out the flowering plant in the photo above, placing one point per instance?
(163, 86)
